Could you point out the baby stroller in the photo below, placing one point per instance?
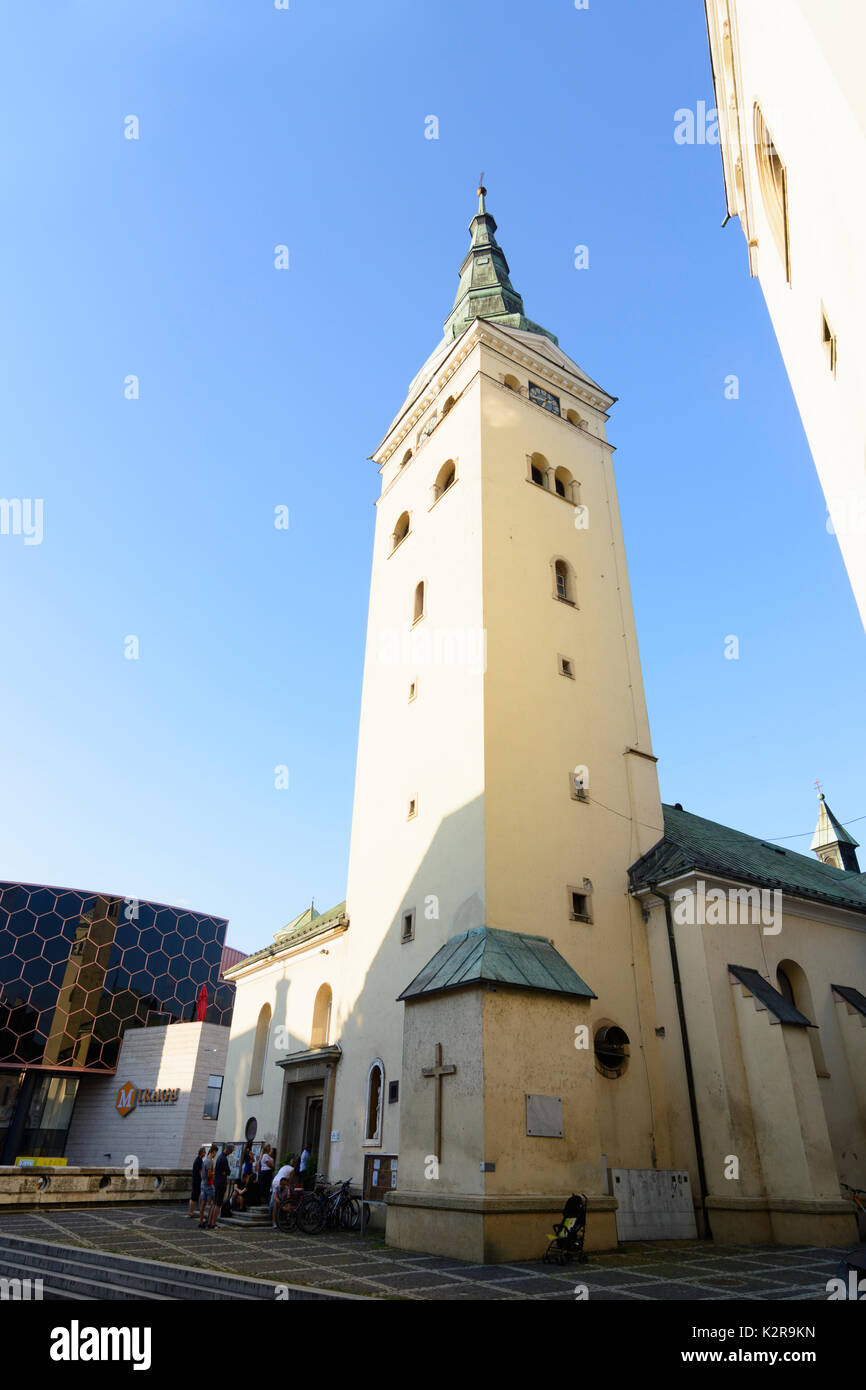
(566, 1243)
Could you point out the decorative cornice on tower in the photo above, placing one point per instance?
(485, 290)
(831, 841)
(568, 378)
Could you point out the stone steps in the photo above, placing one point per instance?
(69, 1272)
(255, 1219)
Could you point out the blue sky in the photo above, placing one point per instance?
(259, 387)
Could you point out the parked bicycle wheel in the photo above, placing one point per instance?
(286, 1216)
(350, 1214)
(310, 1216)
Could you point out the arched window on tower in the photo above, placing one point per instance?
(538, 467)
(444, 478)
(563, 581)
(260, 1048)
(773, 181)
(401, 530)
(573, 418)
(375, 1093)
(447, 406)
(512, 383)
(406, 457)
(320, 1035)
(564, 484)
(418, 609)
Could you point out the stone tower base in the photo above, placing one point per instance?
(489, 1230)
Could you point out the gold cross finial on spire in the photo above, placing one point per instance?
(820, 788)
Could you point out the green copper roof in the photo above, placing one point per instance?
(488, 955)
(307, 924)
(693, 843)
(485, 291)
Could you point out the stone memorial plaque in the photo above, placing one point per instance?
(544, 1117)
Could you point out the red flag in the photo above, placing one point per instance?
(201, 1005)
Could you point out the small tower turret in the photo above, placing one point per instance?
(831, 841)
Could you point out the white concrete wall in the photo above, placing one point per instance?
(803, 62)
(159, 1135)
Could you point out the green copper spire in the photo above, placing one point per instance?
(485, 291)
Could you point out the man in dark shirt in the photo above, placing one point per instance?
(195, 1197)
(221, 1177)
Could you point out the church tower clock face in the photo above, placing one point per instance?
(539, 396)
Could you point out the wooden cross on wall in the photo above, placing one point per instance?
(437, 1071)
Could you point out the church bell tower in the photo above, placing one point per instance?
(505, 782)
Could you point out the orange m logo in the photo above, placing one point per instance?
(125, 1099)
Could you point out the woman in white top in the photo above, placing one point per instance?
(265, 1172)
(282, 1186)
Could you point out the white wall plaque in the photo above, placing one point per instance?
(544, 1117)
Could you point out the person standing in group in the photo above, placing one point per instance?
(239, 1198)
(249, 1178)
(282, 1186)
(195, 1198)
(266, 1172)
(207, 1187)
(304, 1167)
(222, 1169)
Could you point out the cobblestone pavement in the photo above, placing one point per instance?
(669, 1270)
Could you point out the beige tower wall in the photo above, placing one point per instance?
(486, 749)
(540, 725)
(430, 748)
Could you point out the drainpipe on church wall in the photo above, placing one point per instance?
(687, 1057)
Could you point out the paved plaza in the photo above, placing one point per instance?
(670, 1270)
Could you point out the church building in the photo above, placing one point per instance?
(542, 981)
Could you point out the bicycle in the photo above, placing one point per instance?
(326, 1207)
(286, 1214)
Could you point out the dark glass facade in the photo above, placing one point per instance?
(75, 970)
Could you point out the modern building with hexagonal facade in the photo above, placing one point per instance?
(77, 970)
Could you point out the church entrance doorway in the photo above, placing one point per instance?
(313, 1123)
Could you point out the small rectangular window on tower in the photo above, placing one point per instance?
(828, 338)
(413, 690)
(580, 906)
(407, 930)
(566, 667)
(413, 808)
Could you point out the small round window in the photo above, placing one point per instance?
(611, 1049)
